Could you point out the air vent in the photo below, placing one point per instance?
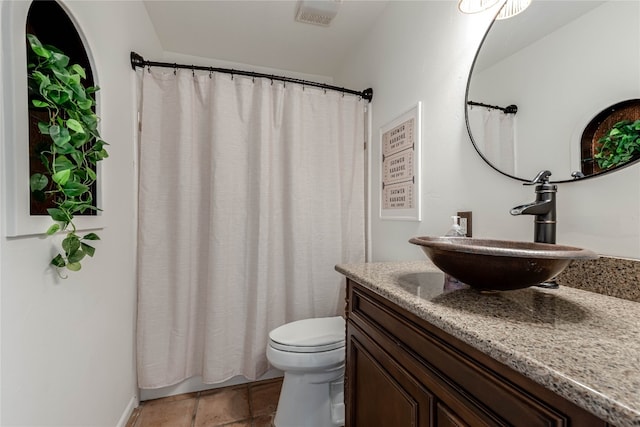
(317, 12)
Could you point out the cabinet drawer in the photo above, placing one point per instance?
(457, 374)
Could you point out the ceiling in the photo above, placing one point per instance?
(262, 33)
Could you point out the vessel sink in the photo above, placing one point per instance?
(499, 264)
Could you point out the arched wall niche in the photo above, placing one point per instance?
(18, 220)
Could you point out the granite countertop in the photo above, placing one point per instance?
(582, 345)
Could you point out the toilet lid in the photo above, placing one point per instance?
(309, 335)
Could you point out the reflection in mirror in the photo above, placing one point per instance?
(562, 63)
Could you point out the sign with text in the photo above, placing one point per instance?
(400, 166)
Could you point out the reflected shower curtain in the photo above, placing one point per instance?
(494, 134)
(249, 193)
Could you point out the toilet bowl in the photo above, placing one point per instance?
(311, 353)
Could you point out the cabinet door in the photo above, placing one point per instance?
(382, 393)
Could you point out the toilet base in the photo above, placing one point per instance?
(311, 399)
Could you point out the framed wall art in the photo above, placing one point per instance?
(400, 167)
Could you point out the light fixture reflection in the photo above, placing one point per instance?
(510, 7)
(475, 6)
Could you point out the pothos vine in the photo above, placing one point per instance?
(74, 147)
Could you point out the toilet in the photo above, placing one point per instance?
(311, 352)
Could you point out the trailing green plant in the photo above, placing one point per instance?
(74, 146)
(619, 145)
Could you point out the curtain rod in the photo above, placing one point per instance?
(509, 109)
(138, 61)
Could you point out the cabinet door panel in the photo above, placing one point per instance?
(381, 392)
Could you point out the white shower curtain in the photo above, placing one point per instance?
(249, 193)
(494, 134)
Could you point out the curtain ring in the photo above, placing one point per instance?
(175, 68)
(253, 79)
(272, 80)
(210, 72)
(149, 69)
(193, 70)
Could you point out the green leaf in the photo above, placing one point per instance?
(58, 261)
(59, 135)
(74, 189)
(59, 96)
(79, 70)
(91, 236)
(37, 47)
(38, 182)
(43, 127)
(77, 157)
(67, 149)
(62, 163)
(57, 214)
(61, 177)
(74, 266)
(92, 175)
(75, 126)
(85, 104)
(59, 59)
(71, 243)
(40, 104)
(76, 257)
(53, 229)
(87, 249)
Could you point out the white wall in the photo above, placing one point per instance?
(67, 355)
(422, 51)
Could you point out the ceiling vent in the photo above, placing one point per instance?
(317, 12)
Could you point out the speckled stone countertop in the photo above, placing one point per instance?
(582, 345)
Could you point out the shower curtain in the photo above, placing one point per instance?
(494, 134)
(250, 191)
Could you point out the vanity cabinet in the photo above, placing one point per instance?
(402, 371)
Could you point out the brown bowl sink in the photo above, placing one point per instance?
(499, 264)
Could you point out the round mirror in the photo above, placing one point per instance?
(542, 80)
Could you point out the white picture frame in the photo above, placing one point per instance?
(399, 160)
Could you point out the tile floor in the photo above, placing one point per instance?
(246, 405)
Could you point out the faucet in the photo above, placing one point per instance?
(544, 208)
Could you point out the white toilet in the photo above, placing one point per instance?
(311, 353)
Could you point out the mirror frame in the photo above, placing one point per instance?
(475, 146)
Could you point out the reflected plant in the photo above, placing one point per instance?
(73, 150)
(619, 145)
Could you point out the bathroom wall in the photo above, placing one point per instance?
(67, 356)
(422, 51)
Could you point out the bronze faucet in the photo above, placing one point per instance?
(544, 208)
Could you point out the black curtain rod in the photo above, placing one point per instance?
(139, 61)
(509, 109)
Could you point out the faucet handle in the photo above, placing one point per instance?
(541, 178)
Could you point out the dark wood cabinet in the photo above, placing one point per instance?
(402, 371)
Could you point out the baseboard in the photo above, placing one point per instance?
(133, 404)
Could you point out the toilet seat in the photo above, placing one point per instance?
(309, 335)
